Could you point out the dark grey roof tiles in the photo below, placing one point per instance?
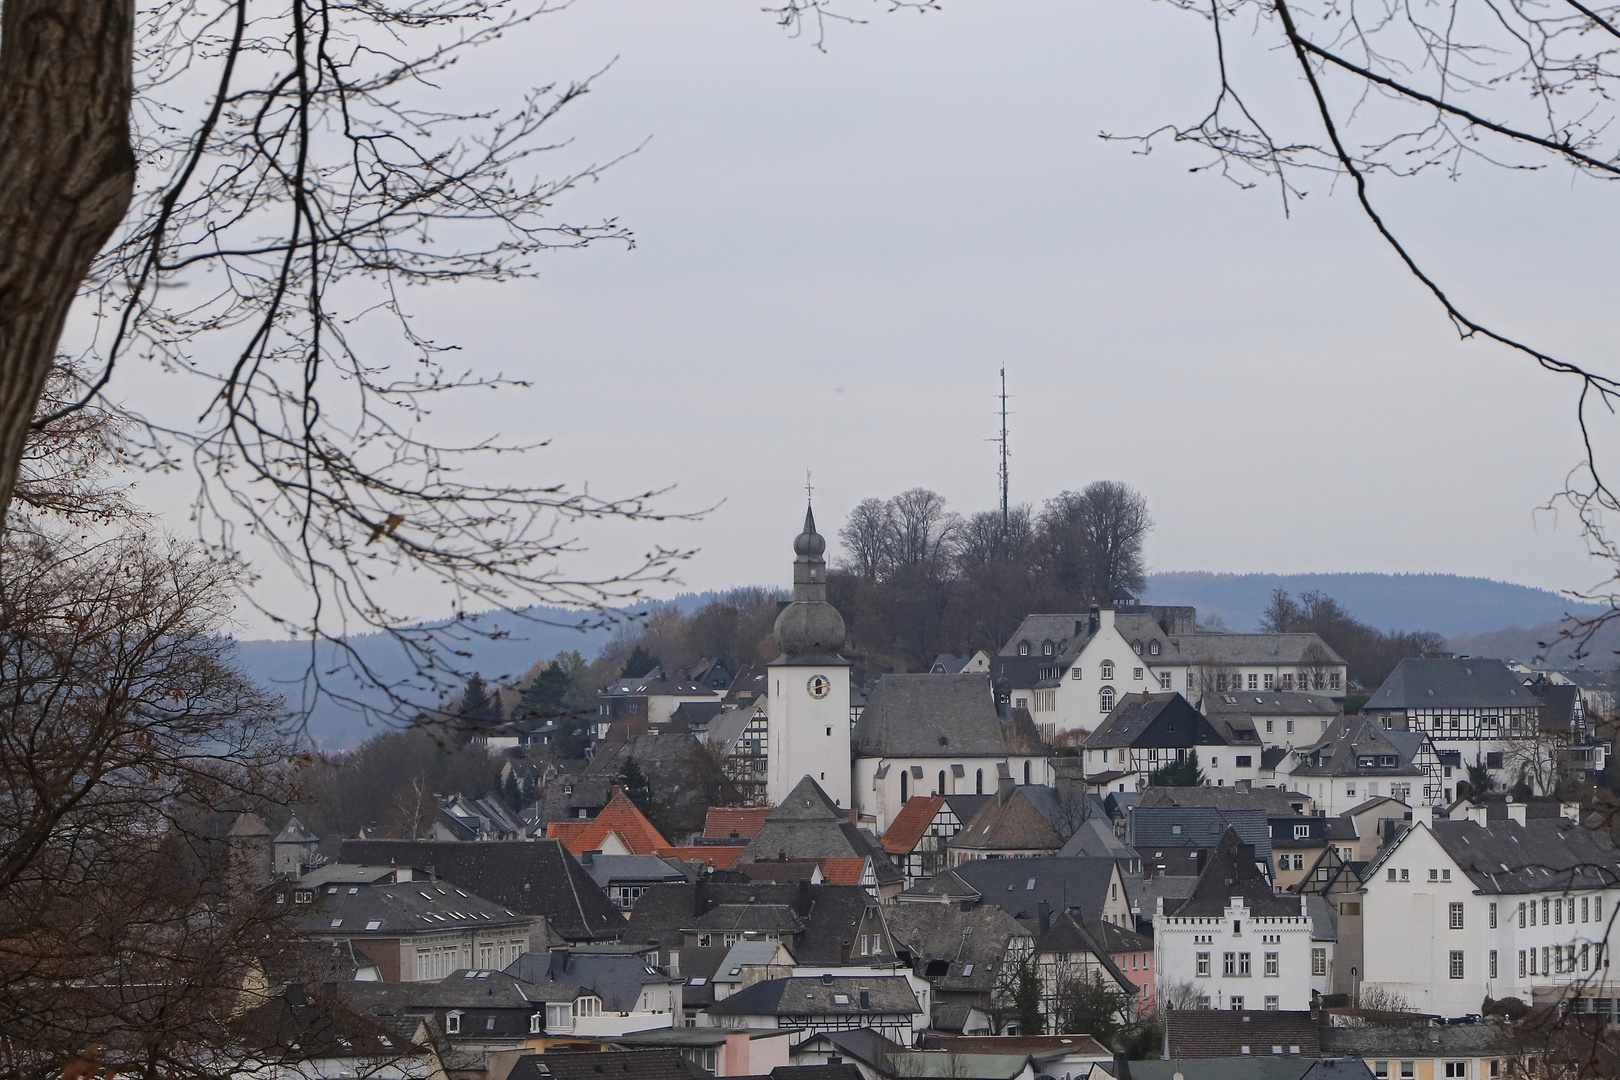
(1543, 854)
(1269, 703)
(1234, 1032)
(1426, 683)
(822, 996)
(1018, 886)
(1157, 827)
(1155, 720)
(835, 911)
(941, 716)
(1231, 872)
(1350, 740)
(617, 980)
(537, 877)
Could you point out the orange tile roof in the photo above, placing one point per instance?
(715, 855)
(743, 822)
(618, 816)
(842, 871)
(910, 824)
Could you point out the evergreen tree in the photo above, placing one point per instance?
(547, 695)
(634, 783)
(1183, 773)
(640, 663)
(511, 793)
(1027, 998)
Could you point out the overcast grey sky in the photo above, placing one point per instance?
(836, 251)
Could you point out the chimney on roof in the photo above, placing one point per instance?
(1243, 785)
(700, 897)
(866, 1001)
(1515, 811)
(588, 858)
(1045, 911)
(1200, 856)
(803, 907)
(1423, 815)
(1004, 789)
(1122, 1066)
(1093, 618)
(1479, 814)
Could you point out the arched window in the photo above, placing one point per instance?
(941, 790)
(1105, 699)
(1023, 648)
(1026, 774)
(978, 782)
(904, 776)
(1108, 670)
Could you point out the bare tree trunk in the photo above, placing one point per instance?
(66, 176)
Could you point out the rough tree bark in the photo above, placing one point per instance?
(67, 173)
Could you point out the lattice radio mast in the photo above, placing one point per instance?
(1005, 519)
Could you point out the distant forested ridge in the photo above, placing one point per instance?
(1447, 604)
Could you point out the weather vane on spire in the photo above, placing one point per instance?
(808, 490)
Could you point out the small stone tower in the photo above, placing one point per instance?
(295, 849)
(249, 841)
(808, 686)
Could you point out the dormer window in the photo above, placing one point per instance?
(537, 1023)
(1023, 648)
(452, 1023)
(1153, 648)
(1046, 648)
(1136, 647)
(1107, 669)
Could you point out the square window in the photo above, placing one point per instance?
(1271, 1003)
(1237, 1002)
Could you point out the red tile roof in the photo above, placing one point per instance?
(911, 823)
(618, 816)
(716, 856)
(842, 871)
(742, 822)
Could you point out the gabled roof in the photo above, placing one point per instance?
(1159, 827)
(1273, 801)
(734, 822)
(937, 716)
(911, 823)
(1095, 838)
(620, 816)
(1155, 720)
(826, 995)
(608, 869)
(831, 913)
(809, 825)
(1269, 703)
(957, 951)
(1470, 683)
(1018, 886)
(653, 1064)
(1231, 872)
(1349, 739)
(617, 980)
(412, 907)
(1221, 647)
(1068, 935)
(532, 877)
(1543, 854)
(945, 887)
(1031, 817)
(1225, 1032)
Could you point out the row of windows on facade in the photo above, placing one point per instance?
(1048, 648)
(1464, 721)
(1554, 911)
(437, 961)
(1386, 1070)
(978, 780)
(1239, 964)
(1305, 680)
(1557, 960)
(1241, 761)
(558, 1017)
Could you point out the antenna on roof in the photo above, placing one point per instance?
(1002, 440)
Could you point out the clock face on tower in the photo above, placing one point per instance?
(819, 686)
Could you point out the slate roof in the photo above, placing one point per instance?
(1349, 738)
(750, 682)
(1018, 886)
(911, 823)
(965, 806)
(765, 918)
(531, 877)
(413, 907)
(1220, 647)
(1318, 831)
(1269, 703)
(1225, 1032)
(698, 964)
(1543, 854)
(949, 663)
(981, 1066)
(1155, 720)
(1158, 827)
(617, 980)
(941, 716)
(1259, 1065)
(1431, 683)
(1118, 939)
(818, 996)
(1273, 801)
(1438, 1040)
(866, 1045)
(663, 911)
(809, 825)
(294, 832)
(734, 822)
(1095, 838)
(292, 1026)
(340, 873)
(607, 869)
(1231, 872)
(970, 944)
(1032, 817)
(1069, 935)
(695, 714)
(944, 887)
(653, 1064)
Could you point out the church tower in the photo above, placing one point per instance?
(808, 691)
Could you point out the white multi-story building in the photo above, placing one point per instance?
(1069, 670)
(1359, 759)
(1457, 911)
(1145, 732)
(1240, 945)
